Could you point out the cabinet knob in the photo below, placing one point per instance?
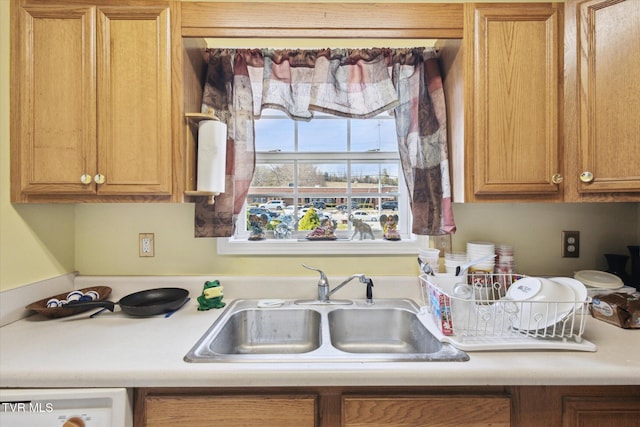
(586, 176)
(99, 178)
(85, 179)
(557, 178)
(74, 422)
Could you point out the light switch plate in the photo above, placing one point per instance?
(146, 244)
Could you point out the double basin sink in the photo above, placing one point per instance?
(286, 331)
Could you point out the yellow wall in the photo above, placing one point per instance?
(106, 240)
(36, 242)
(42, 241)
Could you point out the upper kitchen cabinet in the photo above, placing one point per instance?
(512, 77)
(91, 101)
(602, 100)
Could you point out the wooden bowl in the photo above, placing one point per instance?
(67, 310)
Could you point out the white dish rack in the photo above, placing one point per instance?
(485, 320)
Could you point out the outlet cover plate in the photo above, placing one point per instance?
(571, 244)
(146, 244)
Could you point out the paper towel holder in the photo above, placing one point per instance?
(198, 117)
(210, 114)
(211, 195)
(195, 118)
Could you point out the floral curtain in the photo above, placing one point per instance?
(358, 83)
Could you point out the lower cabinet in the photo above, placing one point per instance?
(441, 411)
(577, 406)
(496, 406)
(600, 412)
(262, 410)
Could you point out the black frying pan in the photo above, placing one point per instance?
(143, 303)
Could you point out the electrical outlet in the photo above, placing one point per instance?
(571, 244)
(146, 243)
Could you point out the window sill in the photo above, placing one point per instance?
(233, 246)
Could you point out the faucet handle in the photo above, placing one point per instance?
(323, 277)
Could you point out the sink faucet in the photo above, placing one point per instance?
(324, 292)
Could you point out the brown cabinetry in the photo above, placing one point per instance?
(324, 407)
(600, 412)
(259, 410)
(550, 102)
(426, 411)
(90, 101)
(512, 75)
(478, 406)
(573, 406)
(602, 99)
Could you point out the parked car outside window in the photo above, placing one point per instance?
(390, 204)
(365, 216)
(274, 204)
(354, 205)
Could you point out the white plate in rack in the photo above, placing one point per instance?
(578, 288)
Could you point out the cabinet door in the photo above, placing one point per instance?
(54, 114)
(600, 412)
(231, 411)
(134, 100)
(512, 92)
(426, 411)
(608, 93)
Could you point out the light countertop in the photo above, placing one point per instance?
(115, 350)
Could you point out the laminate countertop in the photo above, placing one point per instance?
(116, 350)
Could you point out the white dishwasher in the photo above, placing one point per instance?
(79, 407)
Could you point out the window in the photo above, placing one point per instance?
(345, 175)
(338, 168)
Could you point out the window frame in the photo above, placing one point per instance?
(240, 245)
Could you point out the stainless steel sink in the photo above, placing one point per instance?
(380, 330)
(275, 331)
(387, 331)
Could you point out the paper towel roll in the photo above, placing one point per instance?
(212, 156)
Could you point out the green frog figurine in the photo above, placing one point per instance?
(211, 296)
